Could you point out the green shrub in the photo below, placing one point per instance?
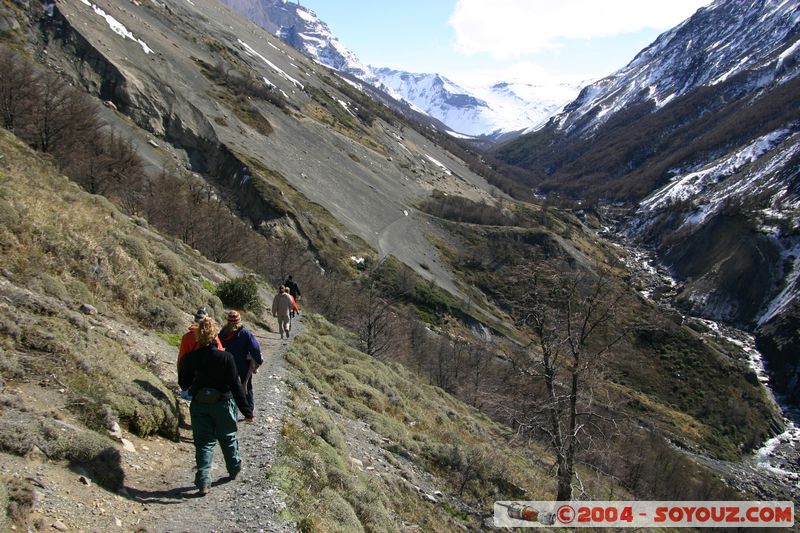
(51, 285)
(324, 426)
(171, 265)
(159, 314)
(209, 286)
(136, 247)
(240, 293)
(173, 339)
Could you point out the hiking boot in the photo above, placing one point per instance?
(202, 491)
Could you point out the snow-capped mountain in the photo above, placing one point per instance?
(302, 29)
(701, 134)
(479, 109)
(491, 109)
(715, 44)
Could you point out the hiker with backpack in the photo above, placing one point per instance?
(211, 377)
(282, 305)
(294, 291)
(246, 352)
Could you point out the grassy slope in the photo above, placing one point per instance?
(65, 375)
(416, 438)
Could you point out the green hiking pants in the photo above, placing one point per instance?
(212, 422)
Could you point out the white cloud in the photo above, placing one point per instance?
(512, 28)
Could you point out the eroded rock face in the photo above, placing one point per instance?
(729, 270)
(777, 340)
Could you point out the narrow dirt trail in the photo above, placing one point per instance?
(248, 504)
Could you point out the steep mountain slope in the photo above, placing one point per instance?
(93, 302)
(498, 108)
(745, 36)
(701, 128)
(619, 138)
(312, 136)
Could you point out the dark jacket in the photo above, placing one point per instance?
(294, 290)
(210, 367)
(241, 344)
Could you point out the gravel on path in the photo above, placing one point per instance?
(250, 503)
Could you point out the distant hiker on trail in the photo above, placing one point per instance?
(294, 290)
(245, 349)
(281, 306)
(294, 310)
(189, 341)
(211, 377)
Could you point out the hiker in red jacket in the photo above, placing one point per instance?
(211, 378)
(189, 341)
(294, 292)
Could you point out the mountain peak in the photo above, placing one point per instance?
(718, 42)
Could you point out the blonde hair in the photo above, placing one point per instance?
(206, 331)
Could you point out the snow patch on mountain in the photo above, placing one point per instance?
(692, 184)
(314, 38)
(791, 289)
(251, 52)
(440, 165)
(762, 175)
(118, 27)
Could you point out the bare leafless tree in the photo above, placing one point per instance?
(106, 163)
(15, 89)
(62, 117)
(373, 321)
(572, 320)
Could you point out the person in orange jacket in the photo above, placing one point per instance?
(189, 341)
(294, 310)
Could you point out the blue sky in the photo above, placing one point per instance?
(473, 40)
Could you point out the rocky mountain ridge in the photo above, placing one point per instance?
(718, 42)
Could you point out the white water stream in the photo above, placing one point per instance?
(779, 455)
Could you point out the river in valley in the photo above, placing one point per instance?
(770, 472)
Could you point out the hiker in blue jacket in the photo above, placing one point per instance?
(245, 349)
(211, 378)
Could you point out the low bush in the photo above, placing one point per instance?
(19, 497)
(240, 293)
(460, 209)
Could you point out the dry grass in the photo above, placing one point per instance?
(62, 248)
(17, 497)
(471, 459)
